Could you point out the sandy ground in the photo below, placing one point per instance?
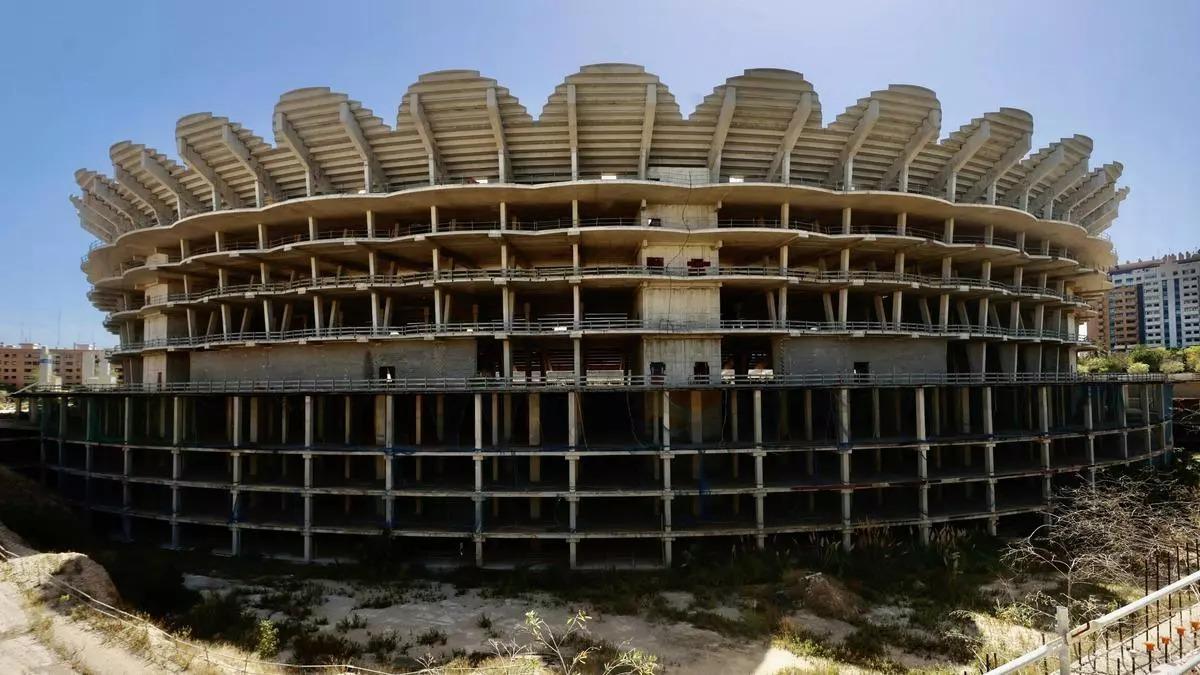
(65, 646)
(680, 647)
(20, 650)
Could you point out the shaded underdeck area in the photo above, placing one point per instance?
(620, 478)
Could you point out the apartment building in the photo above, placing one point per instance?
(1155, 302)
(74, 365)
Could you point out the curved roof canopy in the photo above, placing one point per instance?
(612, 120)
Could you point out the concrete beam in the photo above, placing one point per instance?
(502, 161)
(1100, 219)
(264, 185)
(720, 131)
(843, 169)
(1105, 175)
(161, 210)
(1044, 203)
(781, 163)
(114, 200)
(185, 202)
(946, 180)
(373, 177)
(314, 177)
(427, 138)
(220, 189)
(647, 128)
(1020, 192)
(898, 172)
(986, 186)
(94, 221)
(573, 131)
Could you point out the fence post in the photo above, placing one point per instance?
(1062, 626)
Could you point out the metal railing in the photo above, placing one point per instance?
(399, 231)
(568, 272)
(605, 381)
(1159, 632)
(551, 326)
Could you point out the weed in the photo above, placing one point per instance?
(350, 622)
(431, 637)
(322, 647)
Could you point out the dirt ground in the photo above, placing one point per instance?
(457, 613)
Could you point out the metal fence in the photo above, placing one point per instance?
(1159, 632)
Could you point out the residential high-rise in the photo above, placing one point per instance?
(78, 364)
(1155, 302)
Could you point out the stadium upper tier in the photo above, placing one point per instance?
(612, 122)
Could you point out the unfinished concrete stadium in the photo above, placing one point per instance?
(595, 338)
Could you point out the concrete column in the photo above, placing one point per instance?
(126, 419)
(572, 420)
(535, 419)
(665, 421)
(477, 461)
(843, 413)
(479, 421)
(847, 498)
(308, 420)
(758, 424)
(876, 420)
(308, 543)
(418, 420)
(733, 420)
(535, 462)
(237, 421)
(177, 423)
(576, 306)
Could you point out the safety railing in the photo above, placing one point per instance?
(567, 272)
(398, 231)
(1159, 632)
(607, 380)
(551, 326)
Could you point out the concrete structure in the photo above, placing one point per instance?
(1155, 302)
(594, 336)
(78, 364)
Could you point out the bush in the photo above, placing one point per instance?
(431, 637)
(268, 639)
(1138, 368)
(1151, 356)
(322, 647)
(1191, 357)
(221, 617)
(1105, 363)
(1171, 366)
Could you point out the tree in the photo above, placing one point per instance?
(1105, 533)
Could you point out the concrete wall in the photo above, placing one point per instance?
(683, 216)
(162, 367)
(675, 255)
(680, 355)
(694, 302)
(444, 358)
(838, 355)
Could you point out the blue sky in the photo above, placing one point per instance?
(76, 77)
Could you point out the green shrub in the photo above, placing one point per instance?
(1151, 356)
(1171, 367)
(431, 637)
(1191, 356)
(268, 639)
(350, 622)
(323, 647)
(221, 617)
(1138, 368)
